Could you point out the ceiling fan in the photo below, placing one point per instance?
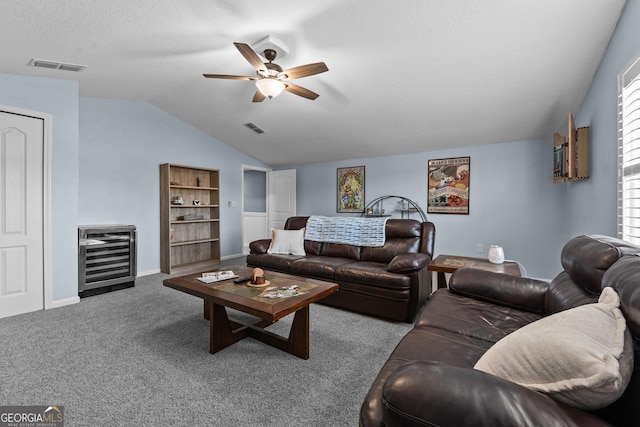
(271, 80)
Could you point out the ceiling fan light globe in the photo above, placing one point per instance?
(270, 87)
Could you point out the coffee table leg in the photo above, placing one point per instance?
(221, 333)
(298, 341)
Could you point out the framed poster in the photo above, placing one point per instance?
(350, 192)
(449, 185)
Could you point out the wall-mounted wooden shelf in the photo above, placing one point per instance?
(571, 154)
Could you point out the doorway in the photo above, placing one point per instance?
(268, 199)
(255, 219)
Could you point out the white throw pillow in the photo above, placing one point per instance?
(582, 356)
(287, 242)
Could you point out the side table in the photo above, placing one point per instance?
(449, 263)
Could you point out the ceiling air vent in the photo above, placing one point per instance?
(254, 127)
(53, 65)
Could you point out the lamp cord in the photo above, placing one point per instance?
(520, 266)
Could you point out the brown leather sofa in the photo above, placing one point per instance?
(429, 378)
(391, 281)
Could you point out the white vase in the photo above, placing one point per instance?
(496, 254)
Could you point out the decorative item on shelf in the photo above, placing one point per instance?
(198, 182)
(189, 217)
(496, 254)
(369, 211)
(196, 202)
(257, 278)
(177, 200)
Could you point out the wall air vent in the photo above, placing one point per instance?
(254, 127)
(53, 65)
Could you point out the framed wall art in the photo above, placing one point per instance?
(449, 185)
(350, 193)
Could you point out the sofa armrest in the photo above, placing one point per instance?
(408, 262)
(431, 394)
(504, 289)
(260, 246)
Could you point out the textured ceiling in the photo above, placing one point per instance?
(404, 75)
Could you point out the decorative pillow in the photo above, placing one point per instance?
(582, 356)
(285, 242)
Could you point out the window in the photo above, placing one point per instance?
(629, 153)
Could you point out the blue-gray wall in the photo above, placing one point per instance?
(59, 98)
(513, 201)
(592, 203)
(122, 144)
(255, 191)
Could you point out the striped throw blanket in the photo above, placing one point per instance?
(355, 231)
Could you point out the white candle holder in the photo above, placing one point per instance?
(495, 254)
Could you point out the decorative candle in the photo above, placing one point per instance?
(496, 254)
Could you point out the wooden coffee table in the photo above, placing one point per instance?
(224, 332)
(450, 263)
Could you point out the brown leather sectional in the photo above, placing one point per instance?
(429, 378)
(391, 281)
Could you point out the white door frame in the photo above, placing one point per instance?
(46, 198)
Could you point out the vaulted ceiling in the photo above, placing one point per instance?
(404, 75)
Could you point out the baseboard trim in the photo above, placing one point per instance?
(148, 272)
(64, 302)
(231, 256)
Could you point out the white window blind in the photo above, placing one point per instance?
(629, 153)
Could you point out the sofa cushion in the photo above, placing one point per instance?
(340, 250)
(272, 262)
(586, 258)
(582, 356)
(287, 242)
(372, 274)
(472, 318)
(402, 237)
(322, 267)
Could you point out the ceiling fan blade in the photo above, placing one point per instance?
(228, 76)
(251, 56)
(258, 97)
(305, 70)
(300, 91)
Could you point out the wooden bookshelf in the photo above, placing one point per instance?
(189, 232)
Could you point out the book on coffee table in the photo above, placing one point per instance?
(217, 276)
(281, 292)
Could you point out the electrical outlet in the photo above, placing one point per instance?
(479, 248)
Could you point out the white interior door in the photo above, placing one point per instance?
(21, 214)
(282, 197)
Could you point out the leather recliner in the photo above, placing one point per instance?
(429, 378)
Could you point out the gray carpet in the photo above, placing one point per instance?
(139, 357)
